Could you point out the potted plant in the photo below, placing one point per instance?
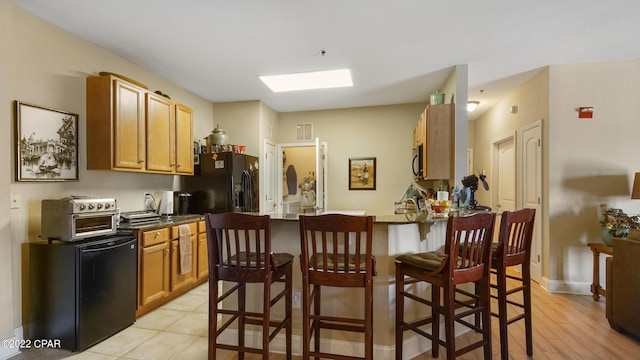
(616, 223)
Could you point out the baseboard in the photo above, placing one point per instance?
(561, 286)
(7, 352)
(412, 346)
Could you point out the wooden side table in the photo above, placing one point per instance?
(597, 249)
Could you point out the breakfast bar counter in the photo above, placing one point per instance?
(393, 235)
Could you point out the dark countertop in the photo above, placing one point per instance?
(162, 223)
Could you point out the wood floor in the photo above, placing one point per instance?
(564, 327)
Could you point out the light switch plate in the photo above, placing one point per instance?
(16, 200)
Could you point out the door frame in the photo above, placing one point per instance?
(280, 169)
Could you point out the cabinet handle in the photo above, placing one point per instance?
(166, 251)
(172, 164)
(177, 166)
(140, 161)
(156, 235)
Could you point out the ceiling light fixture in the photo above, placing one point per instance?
(309, 80)
(472, 105)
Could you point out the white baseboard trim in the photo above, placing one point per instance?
(7, 352)
(561, 286)
(412, 347)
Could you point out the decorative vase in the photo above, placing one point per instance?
(607, 234)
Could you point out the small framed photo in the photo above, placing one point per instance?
(46, 143)
(362, 173)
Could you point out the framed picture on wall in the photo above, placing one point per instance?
(46, 143)
(362, 173)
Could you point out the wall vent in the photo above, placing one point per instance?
(304, 132)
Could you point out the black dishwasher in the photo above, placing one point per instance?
(82, 292)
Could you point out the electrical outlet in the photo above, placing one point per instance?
(296, 300)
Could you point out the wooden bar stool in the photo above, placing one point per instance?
(466, 259)
(514, 248)
(337, 252)
(240, 252)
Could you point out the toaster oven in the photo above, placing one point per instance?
(75, 218)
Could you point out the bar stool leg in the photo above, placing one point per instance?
(486, 315)
(266, 300)
(449, 327)
(241, 320)
(399, 313)
(501, 284)
(435, 325)
(289, 310)
(526, 293)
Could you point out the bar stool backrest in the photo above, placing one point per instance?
(337, 249)
(240, 246)
(515, 237)
(470, 237)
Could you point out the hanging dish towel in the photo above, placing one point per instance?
(185, 249)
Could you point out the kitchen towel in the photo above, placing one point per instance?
(184, 239)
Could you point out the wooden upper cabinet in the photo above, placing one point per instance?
(439, 142)
(115, 124)
(132, 129)
(161, 129)
(437, 133)
(183, 139)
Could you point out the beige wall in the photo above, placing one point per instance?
(383, 132)
(591, 161)
(586, 162)
(44, 65)
(10, 281)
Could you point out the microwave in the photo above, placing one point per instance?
(417, 162)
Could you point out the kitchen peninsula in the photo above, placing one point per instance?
(393, 235)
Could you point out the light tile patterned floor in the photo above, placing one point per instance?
(176, 330)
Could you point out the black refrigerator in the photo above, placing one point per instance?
(223, 182)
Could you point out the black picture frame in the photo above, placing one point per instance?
(46, 143)
(362, 173)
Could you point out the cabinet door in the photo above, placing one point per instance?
(179, 280)
(160, 133)
(129, 130)
(154, 273)
(203, 256)
(184, 140)
(438, 157)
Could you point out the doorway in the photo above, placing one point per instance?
(300, 185)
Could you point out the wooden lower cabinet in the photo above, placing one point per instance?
(159, 276)
(154, 277)
(202, 270)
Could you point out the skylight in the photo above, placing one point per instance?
(308, 80)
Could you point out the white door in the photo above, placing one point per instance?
(504, 178)
(270, 178)
(532, 189)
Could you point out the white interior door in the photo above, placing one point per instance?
(532, 189)
(268, 205)
(504, 179)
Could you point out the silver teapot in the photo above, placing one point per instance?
(218, 137)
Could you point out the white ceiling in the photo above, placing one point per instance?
(398, 51)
